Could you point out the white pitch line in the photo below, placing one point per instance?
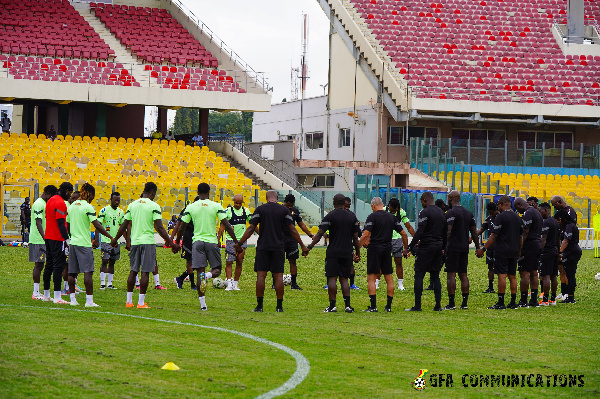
(302, 363)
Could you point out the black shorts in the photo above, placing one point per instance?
(456, 262)
(571, 259)
(489, 258)
(530, 260)
(292, 252)
(505, 266)
(335, 267)
(428, 259)
(379, 260)
(186, 248)
(549, 264)
(269, 261)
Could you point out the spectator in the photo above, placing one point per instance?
(157, 135)
(51, 133)
(170, 136)
(5, 123)
(6, 212)
(25, 218)
(198, 140)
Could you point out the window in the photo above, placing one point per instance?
(314, 140)
(344, 138)
(535, 140)
(479, 138)
(396, 133)
(316, 180)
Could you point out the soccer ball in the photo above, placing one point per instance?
(26, 244)
(597, 276)
(419, 383)
(219, 283)
(287, 279)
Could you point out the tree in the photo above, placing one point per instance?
(234, 122)
(186, 121)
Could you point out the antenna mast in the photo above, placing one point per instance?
(304, 77)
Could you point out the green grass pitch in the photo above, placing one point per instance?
(72, 354)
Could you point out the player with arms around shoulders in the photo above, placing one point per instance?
(397, 243)
(292, 253)
(460, 224)
(569, 252)
(378, 236)
(508, 228)
(430, 241)
(55, 237)
(343, 235)
(488, 225)
(549, 255)
(273, 220)
(37, 245)
(143, 216)
(186, 249)
(205, 247)
(237, 215)
(111, 217)
(81, 255)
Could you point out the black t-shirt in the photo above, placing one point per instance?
(273, 220)
(189, 229)
(509, 227)
(488, 224)
(571, 233)
(432, 229)
(341, 225)
(296, 218)
(532, 220)
(26, 208)
(571, 213)
(461, 221)
(551, 230)
(381, 224)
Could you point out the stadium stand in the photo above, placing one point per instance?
(153, 35)
(578, 189)
(66, 70)
(500, 51)
(48, 28)
(125, 164)
(193, 78)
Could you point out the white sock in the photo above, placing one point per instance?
(202, 301)
(73, 299)
(156, 280)
(36, 288)
(75, 283)
(102, 278)
(141, 299)
(109, 279)
(376, 283)
(130, 297)
(235, 283)
(137, 280)
(400, 282)
(47, 293)
(208, 275)
(66, 283)
(56, 295)
(89, 299)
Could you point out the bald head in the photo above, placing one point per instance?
(272, 196)
(558, 202)
(520, 205)
(238, 201)
(454, 198)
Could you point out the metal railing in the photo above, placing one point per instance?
(233, 56)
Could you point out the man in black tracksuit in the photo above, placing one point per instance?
(431, 236)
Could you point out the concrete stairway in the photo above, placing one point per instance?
(122, 54)
(255, 179)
